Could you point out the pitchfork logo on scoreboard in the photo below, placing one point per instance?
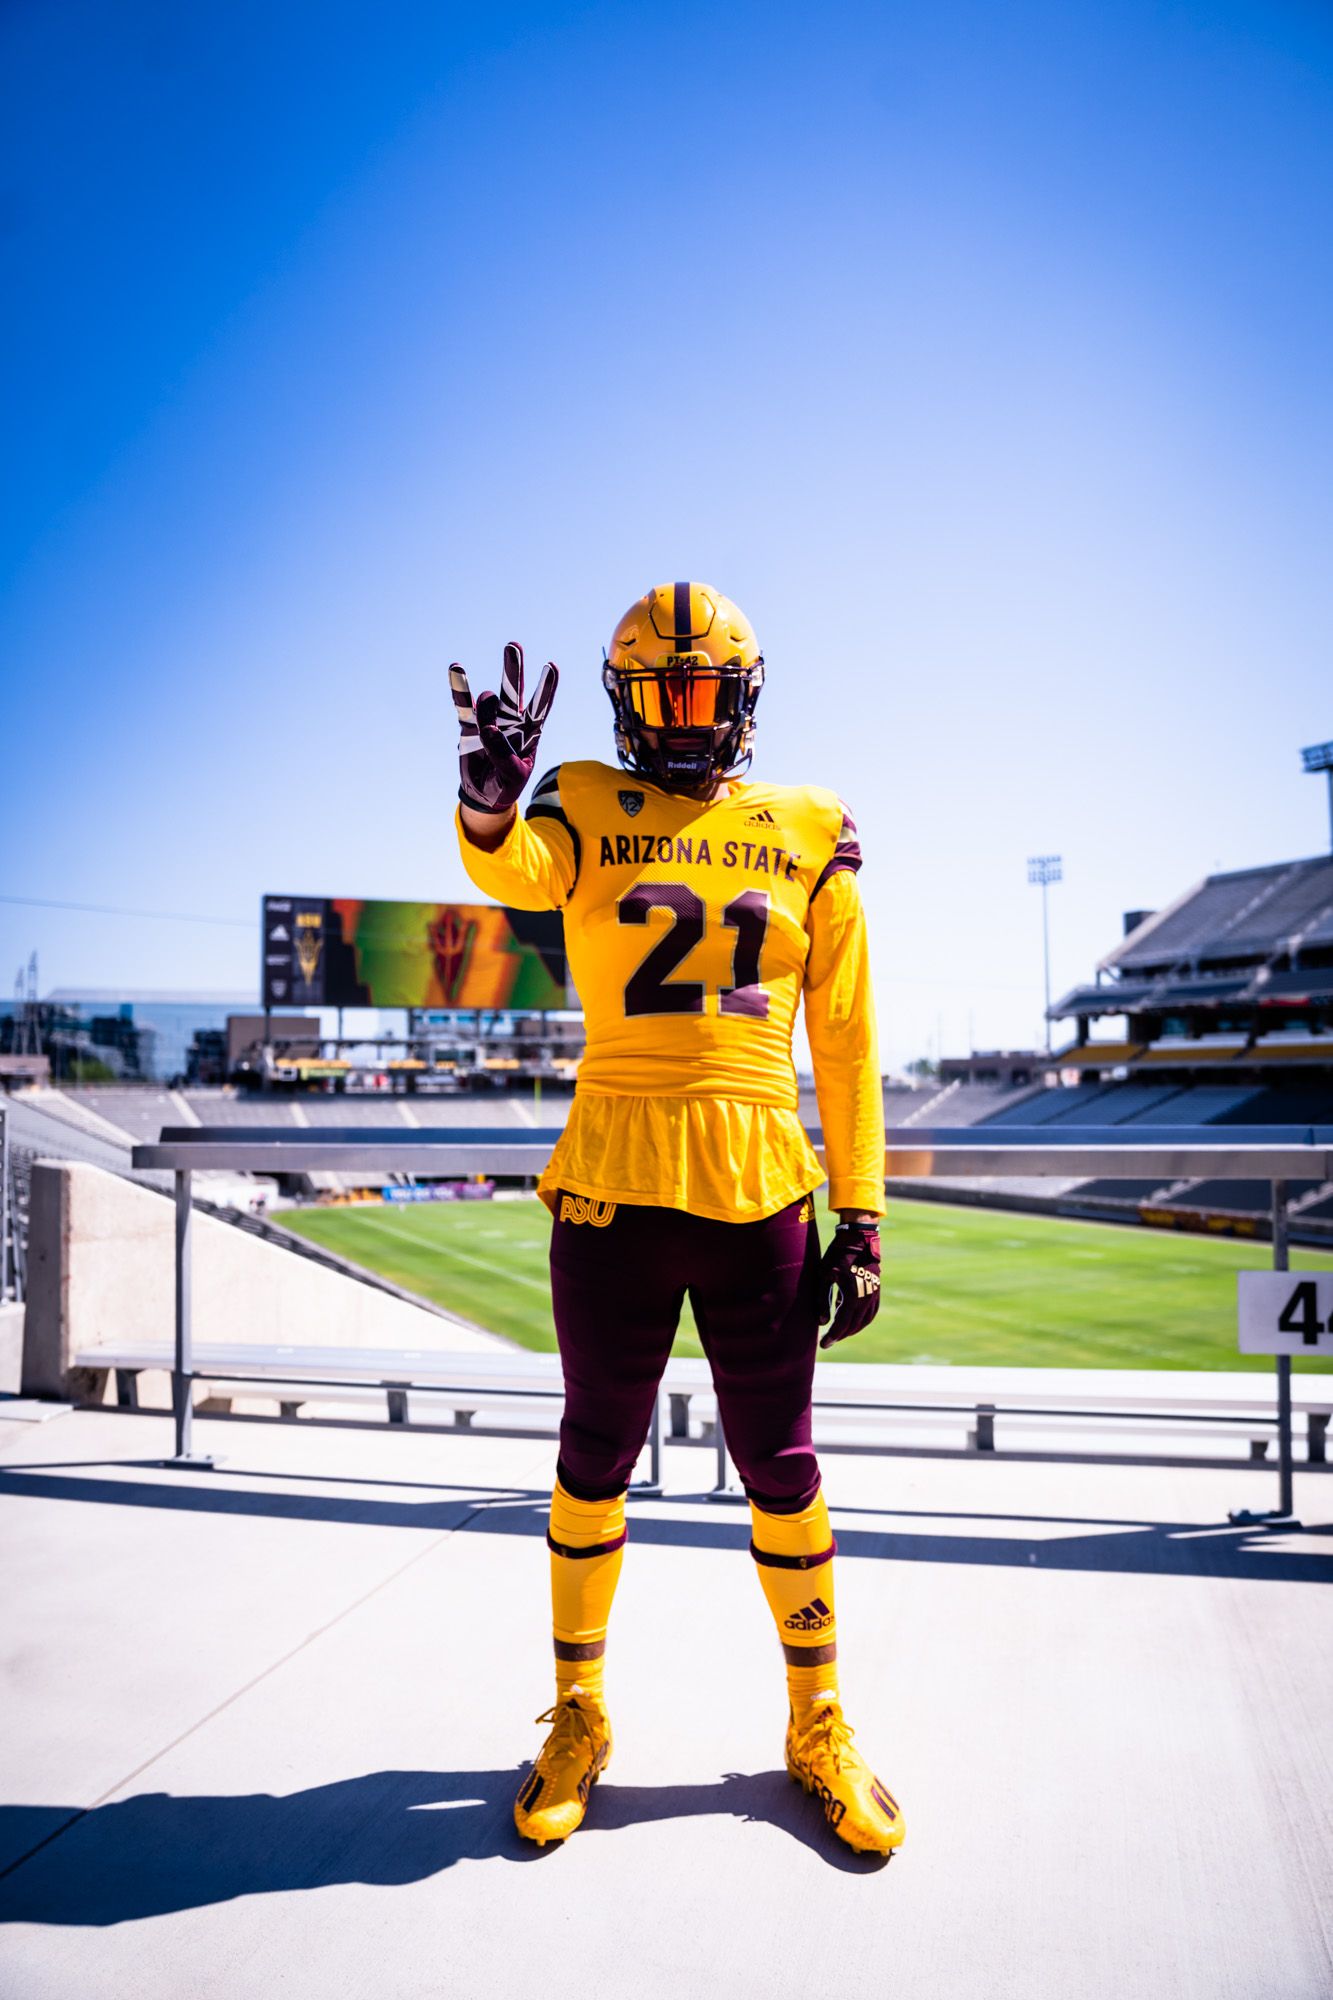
(451, 940)
(293, 951)
(309, 944)
(328, 951)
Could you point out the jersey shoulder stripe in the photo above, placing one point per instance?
(587, 789)
(546, 803)
(546, 791)
(846, 851)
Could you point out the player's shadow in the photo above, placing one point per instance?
(1125, 1547)
(155, 1853)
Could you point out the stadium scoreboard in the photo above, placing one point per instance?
(329, 951)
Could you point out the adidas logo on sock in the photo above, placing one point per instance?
(761, 818)
(815, 1617)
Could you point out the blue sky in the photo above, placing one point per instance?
(983, 355)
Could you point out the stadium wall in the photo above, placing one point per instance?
(100, 1274)
(11, 1349)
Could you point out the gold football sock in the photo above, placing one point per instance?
(794, 1556)
(587, 1543)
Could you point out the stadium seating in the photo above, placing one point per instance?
(1303, 980)
(1091, 1105)
(1038, 1110)
(1199, 1104)
(1194, 1051)
(1153, 1105)
(222, 1108)
(1201, 919)
(1129, 1193)
(360, 1112)
(139, 1113)
(1289, 1046)
(1274, 1104)
(1152, 1109)
(969, 1104)
(934, 1105)
(491, 1108)
(1249, 913)
(38, 1132)
(1096, 1055)
(1285, 910)
(899, 1105)
(1235, 1197)
(1319, 1211)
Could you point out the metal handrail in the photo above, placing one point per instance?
(911, 1153)
(1282, 1154)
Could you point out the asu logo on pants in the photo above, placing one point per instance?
(584, 1208)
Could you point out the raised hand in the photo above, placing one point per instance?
(498, 735)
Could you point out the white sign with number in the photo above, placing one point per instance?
(1286, 1312)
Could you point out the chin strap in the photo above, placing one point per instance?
(644, 763)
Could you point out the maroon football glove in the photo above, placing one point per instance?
(850, 1272)
(497, 743)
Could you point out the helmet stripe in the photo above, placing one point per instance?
(682, 617)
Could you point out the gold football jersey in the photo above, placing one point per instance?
(693, 929)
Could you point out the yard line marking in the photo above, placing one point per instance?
(482, 1264)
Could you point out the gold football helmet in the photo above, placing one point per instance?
(684, 672)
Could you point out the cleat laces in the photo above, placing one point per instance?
(830, 1733)
(571, 1732)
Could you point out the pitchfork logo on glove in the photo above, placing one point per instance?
(849, 1275)
(498, 737)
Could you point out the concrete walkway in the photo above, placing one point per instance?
(263, 1727)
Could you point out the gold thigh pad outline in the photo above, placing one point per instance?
(583, 1208)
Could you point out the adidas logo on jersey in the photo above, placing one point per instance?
(761, 818)
(815, 1617)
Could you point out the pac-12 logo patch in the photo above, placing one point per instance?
(631, 802)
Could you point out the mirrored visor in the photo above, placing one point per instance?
(685, 697)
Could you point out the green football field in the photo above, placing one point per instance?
(960, 1284)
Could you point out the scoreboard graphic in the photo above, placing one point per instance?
(326, 951)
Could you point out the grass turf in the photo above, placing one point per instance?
(960, 1284)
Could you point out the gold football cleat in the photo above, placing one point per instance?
(553, 1797)
(862, 1811)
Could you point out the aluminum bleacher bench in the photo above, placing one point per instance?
(863, 1407)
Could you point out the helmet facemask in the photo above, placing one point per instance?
(684, 723)
(684, 672)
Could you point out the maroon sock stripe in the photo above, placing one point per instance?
(810, 1656)
(768, 1560)
(581, 1555)
(592, 1649)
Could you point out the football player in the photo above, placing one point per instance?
(699, 910)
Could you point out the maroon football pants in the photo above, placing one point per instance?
(617, 1287)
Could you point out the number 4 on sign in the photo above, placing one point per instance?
(1301, 1314)
(1283, 1314)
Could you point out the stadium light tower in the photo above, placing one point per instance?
(1319, 757)
(1043, 869)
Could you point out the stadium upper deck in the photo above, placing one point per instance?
(1237, 972)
